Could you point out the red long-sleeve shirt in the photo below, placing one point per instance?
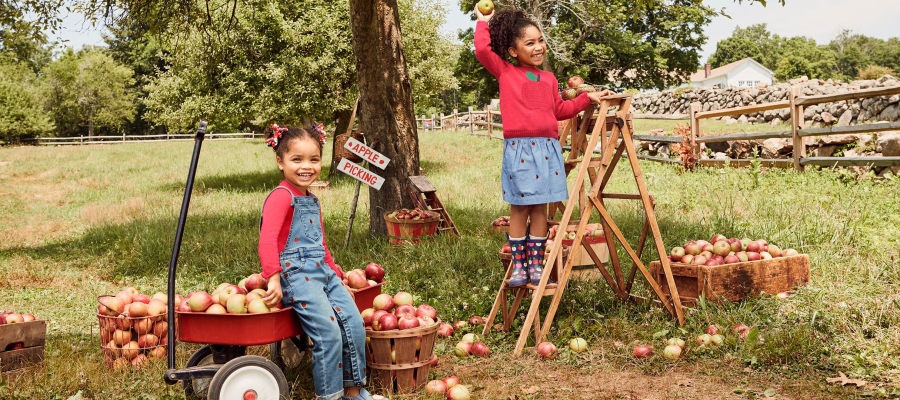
(276, 226)
(529, 97)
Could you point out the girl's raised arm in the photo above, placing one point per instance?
(571, 108)
(483, 52)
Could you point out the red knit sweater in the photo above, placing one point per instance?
(276, 226)
(529, 97)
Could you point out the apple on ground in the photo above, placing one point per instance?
(742, 331)
(546, 350)
(476, 320)
(676, 342)
(445, 330)
(463, 349)
(642, 351)
(436, 387)
(712, 330)
(672, 352)
(460, 325)
(480, 349)
(451, 381)
(578, 345)
(459, 392)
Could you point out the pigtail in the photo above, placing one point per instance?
(275, 136)
(278, 137)
(505, 27)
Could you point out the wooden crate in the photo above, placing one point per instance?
(32, 334)
(735, 282)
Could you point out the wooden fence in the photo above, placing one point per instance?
(796, 103)
(82, 140)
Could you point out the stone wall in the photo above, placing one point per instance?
(848, 112)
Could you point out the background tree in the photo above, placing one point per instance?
(87, 92)
(21, 112)
(143, 53)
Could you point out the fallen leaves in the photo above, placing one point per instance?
(844, 380)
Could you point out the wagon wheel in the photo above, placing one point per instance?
(290, 353)
(198, 387)
(248, 378)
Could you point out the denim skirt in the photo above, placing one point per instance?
(533, 171)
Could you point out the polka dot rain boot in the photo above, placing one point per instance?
(519, 262)
(535, 248)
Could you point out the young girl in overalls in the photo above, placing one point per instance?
(301, 272)
(532, 173)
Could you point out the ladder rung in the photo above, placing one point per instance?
(435, 209)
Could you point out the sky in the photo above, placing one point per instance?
(821, 20)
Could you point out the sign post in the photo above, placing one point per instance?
(361, 174)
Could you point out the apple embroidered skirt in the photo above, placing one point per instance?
(533, 171)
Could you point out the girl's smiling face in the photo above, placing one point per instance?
(302, 163)
(530, 47)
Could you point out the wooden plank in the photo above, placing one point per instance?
(18, 359)
(859, 94)
(674, 117)
(796, 125)
(841, 130)
(422, 184)
(744, 136)
(695, 128)
(31, 334)
(852, 161)
(658, 139)
(746, 162)
(775, 105)
(658, 159)
(640, 250)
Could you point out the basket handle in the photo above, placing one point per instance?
(107, 307)
(401, 366)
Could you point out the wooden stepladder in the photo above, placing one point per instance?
(424, 195)
(614, 136)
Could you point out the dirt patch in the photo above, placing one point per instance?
(24, 272)
(97, 214)
(33, 233)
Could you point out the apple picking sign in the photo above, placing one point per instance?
(366, 153)
(359, 173)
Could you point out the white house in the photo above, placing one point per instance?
(746, 72)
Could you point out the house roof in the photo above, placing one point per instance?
(725, 69)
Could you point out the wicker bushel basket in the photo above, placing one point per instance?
(339, 150)
(410, 231)
(407, 368)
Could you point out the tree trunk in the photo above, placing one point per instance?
(386, 105)
(342, 119)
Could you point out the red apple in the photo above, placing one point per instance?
(687, 259)
(142, 298)
(200, 301)
(131, 350)
(376, 316)
(14, 318)
(707, 247)
(476, 320)
(506, 249)
(125, 296)
(445, 330)
(408, 322)
(111, 306)
(546, 350)
(717, 238)
(722, 248)
(712, 330)
(575, 81)
(384, 302)
(463, 349)
(436, 387)
(256, 281)
(753, 247)
(143, 326)
(460, 324)
(121, 337)
(374, 272)
(367, 316)
(161, 328)
(147, 340)
(480, 349)
(184, 307)
(692, 249)
(425, 310)
(157, 353)
(732, 259)
(27, 317)
(699, 260)
(790, 252)
(137, 309)
(388, 322)
(161, 297)
(225, 293)
(752, 256)
(405, 309)
(157, 310)
(677, 253)
(356, 279)
(451, 381)
(642, 351)
(774, 251)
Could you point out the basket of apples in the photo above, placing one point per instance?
(235, 315)
(400, 342)
(365, 284)
(410, 226)
(133, 328)
(22, 339)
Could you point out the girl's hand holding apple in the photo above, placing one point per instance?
(481, 16)
(273, 292)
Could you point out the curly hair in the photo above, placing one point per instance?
(283, 143)
(507, 26)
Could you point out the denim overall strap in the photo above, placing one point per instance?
(306, 225)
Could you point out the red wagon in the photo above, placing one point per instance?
(221, 369)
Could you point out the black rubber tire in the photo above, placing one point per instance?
(234, 366)
(194, 361)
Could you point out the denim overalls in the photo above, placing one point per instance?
(326, 310)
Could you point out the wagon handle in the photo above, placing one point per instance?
(176, 247)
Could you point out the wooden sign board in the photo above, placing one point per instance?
(361, 174)
(366, 153)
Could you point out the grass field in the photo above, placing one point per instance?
(79, 222)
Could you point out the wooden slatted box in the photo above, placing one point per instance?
(33, 336)
(735, 282)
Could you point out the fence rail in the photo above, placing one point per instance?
(798, 131)
(106, 139)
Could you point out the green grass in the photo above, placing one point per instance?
(79, 222)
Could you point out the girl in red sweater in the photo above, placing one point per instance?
(302, 273)
(532, 174)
